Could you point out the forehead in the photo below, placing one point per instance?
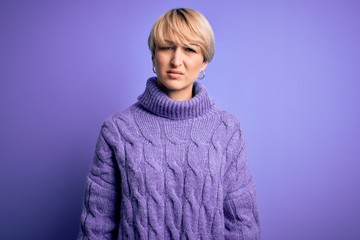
(178, 37)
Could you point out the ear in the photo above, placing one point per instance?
(153, 59)
(204, 65)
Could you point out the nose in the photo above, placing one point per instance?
(176, 58)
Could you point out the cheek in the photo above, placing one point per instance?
(160, 62)
(198, 66)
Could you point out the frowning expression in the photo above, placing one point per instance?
(177, 67)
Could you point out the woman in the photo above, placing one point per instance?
(172, 166)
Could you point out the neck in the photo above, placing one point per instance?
(156, 101)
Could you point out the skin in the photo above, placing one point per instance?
(177, 68)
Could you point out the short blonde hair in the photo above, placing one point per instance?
(180, 25)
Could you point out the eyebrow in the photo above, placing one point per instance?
(169, 41)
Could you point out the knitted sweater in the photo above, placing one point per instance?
(166, 169)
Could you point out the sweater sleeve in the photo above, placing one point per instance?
(100, 214)
(240, 206)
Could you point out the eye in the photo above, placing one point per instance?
(164, 48)
(188, 49)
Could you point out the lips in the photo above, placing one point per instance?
(175, 72)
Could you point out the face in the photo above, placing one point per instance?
(178, 67)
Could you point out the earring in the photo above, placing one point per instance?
(154, 69)
(202, 76)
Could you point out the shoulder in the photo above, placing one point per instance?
(228, 119)
(120, 124)
(235, 141)
(123, 115)
(228, 129)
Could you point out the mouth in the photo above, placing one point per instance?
(174, 74)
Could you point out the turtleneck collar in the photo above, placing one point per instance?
(157, 102)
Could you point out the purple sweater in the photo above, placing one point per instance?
(166, 169)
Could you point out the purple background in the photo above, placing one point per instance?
(290, 70)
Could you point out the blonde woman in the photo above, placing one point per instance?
(172, 166)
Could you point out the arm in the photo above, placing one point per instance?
(240, 207)
(100, 214)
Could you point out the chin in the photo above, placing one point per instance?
(175, 85)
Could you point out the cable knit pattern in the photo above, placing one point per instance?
(166, 169)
